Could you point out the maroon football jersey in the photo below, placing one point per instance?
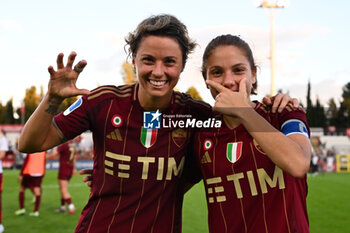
(66, 152)
(245, 190)
(136, 171)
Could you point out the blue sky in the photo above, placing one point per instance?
(311, 41)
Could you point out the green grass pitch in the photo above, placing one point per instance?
(328, 205)
(48, 221)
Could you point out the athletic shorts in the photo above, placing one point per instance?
(64, 176)
(31, 181)
(65, 172)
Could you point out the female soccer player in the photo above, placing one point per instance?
(66, 154)
(31, 176)
(136, 169)
(254, 166)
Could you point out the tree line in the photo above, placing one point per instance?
(31, 100)
(337, 115)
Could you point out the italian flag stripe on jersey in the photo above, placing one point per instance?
(148, 137)
(234, 151)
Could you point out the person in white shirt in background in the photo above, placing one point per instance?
(3, 149)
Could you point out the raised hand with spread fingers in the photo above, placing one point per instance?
(62, 82)
(39, 133)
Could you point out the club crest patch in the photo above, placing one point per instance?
(117, 120)
(234, 151)
(207, 144)
(258, 147)
(148, 137)
(179, 136)
(74, 106)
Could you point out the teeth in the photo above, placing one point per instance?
(157, 83)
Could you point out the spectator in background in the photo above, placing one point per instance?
(330, 161)
(314, 163)
(66, 153)
(85, 148)
(32, 173)
(3, 149)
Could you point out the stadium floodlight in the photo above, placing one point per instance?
(272, 4)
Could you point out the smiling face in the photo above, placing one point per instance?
(227, 65)
(158, 64)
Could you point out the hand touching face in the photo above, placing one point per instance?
(228, 65)
(230, 102)
(229, 77)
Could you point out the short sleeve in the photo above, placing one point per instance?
(75, 119)
(293, 121)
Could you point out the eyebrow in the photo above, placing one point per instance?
(235, 65)
(241, 64)
(145, 55)
(167, 57)
(215, 67)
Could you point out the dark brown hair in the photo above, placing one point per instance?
(225, 40)
(161, 25)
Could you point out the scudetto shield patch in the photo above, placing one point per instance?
(234, 151)
(148, 137)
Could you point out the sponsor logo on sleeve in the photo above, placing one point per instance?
(74, 106)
